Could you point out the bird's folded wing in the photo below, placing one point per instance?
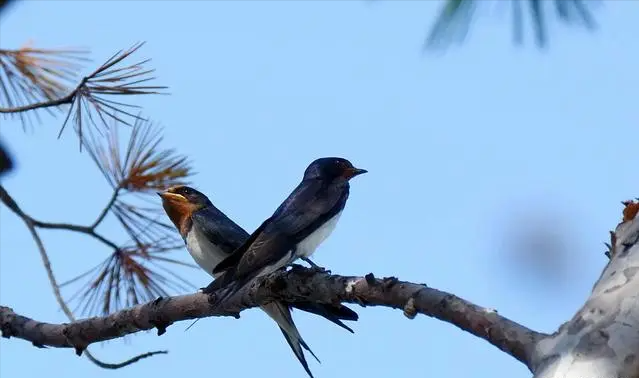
(239, 252)
(219, 229)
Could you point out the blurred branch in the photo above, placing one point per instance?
(456, 16)
(294, 285)
(35, 78)
(6, 164)
(5, 4)
(29, 223)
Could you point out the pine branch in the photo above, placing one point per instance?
(31, 82)
(455, 19)
(28, 221)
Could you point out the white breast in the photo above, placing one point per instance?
(307, 246)
(205, 253)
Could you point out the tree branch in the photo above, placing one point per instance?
(602, 338)
(68, 99)
(88, 230)
(297, 284)
(105, 211)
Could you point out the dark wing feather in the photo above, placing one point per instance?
(266, 250)
(278, 236)
(219, 229)
(330, 312)
(299, 215)
(235, 257)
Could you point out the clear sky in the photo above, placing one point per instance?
(461, 148)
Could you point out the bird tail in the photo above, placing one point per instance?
(334, 313)
(280, 312)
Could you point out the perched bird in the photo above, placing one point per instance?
(210, 236)
(305, 219)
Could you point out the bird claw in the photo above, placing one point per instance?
(314, 267)
(208, 290)
(297, 267)
(319, 269)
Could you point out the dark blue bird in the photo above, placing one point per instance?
(305, 219)
(210, 236)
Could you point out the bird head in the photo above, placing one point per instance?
(180, 202)
(334, 169)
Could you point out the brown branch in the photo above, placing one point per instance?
(106, 209)
(89, 102)
(295, 285)
(68, 99)
(88, 230)
(31, 226)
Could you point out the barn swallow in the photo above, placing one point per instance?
(301, 223)
(210, 236)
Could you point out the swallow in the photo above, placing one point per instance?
(210, 236)
(296, 228)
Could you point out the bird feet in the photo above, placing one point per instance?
(314, 267)
(209, 289)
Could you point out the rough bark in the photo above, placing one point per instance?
(294, 285)
(602, 339)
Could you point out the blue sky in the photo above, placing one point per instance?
(464, 149)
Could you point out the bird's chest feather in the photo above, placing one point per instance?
(306, 247)
(206, 254)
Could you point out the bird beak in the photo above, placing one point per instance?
(168, 196)
(352, 172)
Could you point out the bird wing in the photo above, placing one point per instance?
(219, 229)
(277, 236)
(235, 257)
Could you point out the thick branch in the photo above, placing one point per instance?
(295, 285)
(602, 339)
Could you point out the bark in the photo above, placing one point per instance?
(293, 285)
(602, 339)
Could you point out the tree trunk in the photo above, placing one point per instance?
(602, 339)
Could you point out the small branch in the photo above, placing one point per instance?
(132, 360)
(106, 209)
(68, 99)
(31, 226)
(298, 284)
(90, 101)
(88, 230)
